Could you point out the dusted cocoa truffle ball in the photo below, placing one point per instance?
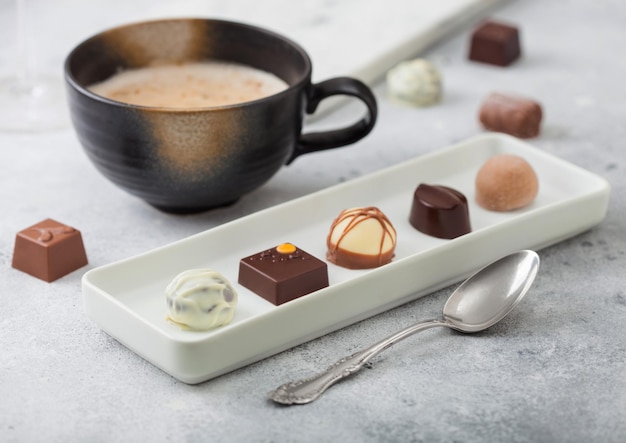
(506, 182)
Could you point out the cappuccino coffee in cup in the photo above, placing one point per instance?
(190, 85)
(192, 114)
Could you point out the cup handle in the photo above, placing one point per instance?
(318, 141)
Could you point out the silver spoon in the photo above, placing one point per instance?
(479, 302)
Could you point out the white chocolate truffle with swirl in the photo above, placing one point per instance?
(200, 299)
(361, 238)
(415, 82)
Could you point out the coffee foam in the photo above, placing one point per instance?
(190, 85)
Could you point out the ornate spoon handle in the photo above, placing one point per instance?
(306, 390)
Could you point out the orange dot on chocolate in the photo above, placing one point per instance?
(286, 248)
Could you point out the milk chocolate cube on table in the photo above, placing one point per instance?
(49, 250)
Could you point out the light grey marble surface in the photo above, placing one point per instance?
(554, 371)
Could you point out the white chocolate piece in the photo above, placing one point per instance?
(415, 82)
(362, 234)
(361, 238)
(200, 299)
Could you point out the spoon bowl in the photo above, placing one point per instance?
(491, 293)
(481, 301)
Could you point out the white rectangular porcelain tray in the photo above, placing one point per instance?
(126, 299)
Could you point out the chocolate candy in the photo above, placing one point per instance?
(506, 182)
(283, 273)
(361, 238)
(511, 114)
(495, 43)
(200, 299)
(415, 82)
(49, 250)
(440, 211)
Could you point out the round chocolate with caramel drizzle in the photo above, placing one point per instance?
(361, 238)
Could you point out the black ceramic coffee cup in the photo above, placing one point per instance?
(190, 160)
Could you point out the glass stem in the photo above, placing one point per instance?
(25, 80)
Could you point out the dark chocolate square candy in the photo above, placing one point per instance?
(280, 277)
(495, 43)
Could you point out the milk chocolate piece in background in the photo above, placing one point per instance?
(495, 43)
(283, 273)
(440, 211)
(49, 250)
(511, 114)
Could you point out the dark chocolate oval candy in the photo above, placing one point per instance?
(440, 211)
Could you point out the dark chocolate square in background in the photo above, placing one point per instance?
(495, 43)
